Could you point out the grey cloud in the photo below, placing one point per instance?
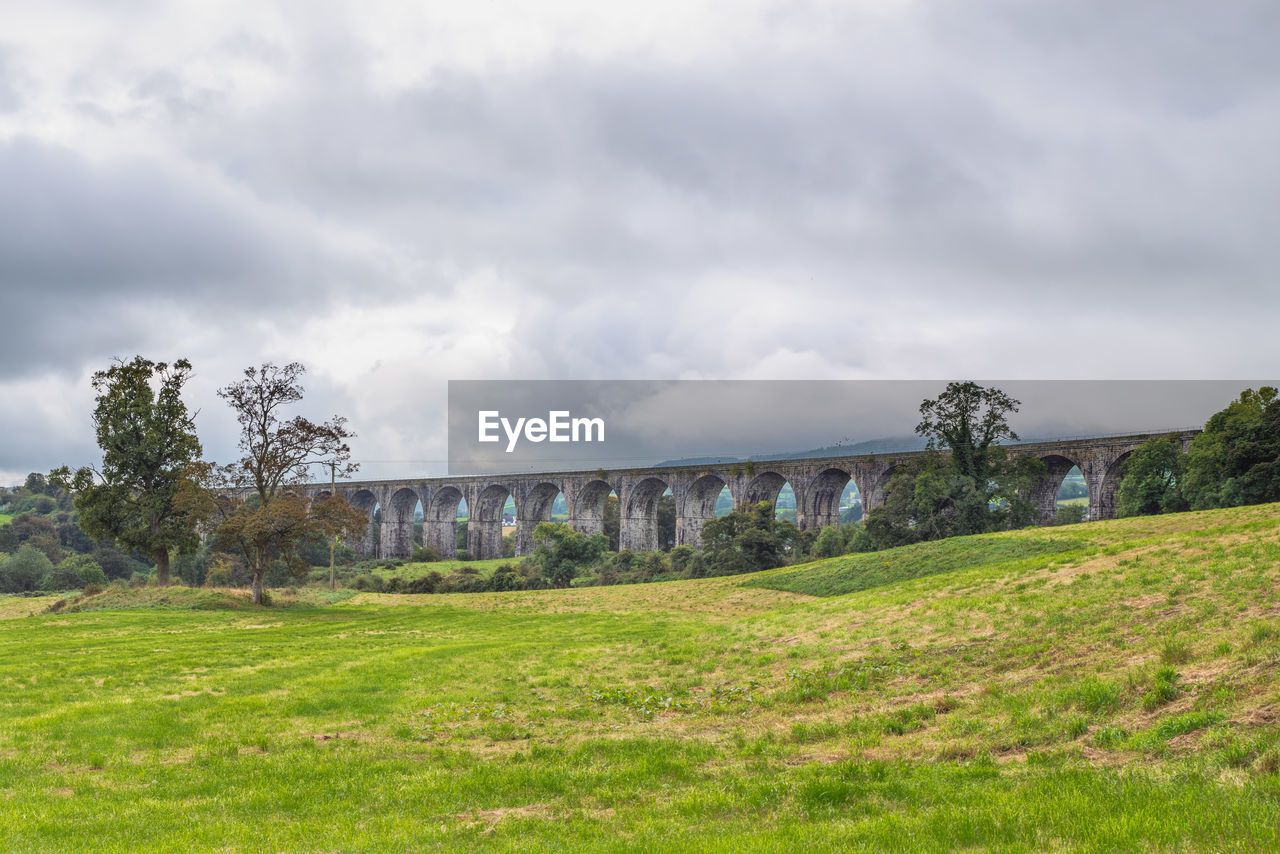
(98, 247)
(949, 187)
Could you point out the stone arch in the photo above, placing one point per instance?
(484, 522)
(588, 508)
(639, 523)
(822, 499)
(698, 508)
(366, 501)
(763, 487)
(534, 508)
(398, 523)
(1044, 494)
(440, 521)
(1103, 505)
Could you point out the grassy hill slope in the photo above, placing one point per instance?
(1109, 686)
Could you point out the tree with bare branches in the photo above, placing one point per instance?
(257, 500)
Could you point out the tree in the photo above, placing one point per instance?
(148, 441)
(969, 419)
(256, 499)
(1150, 480)
(748, 540)
(562, 552)
(1236, 459)
(978, 488)
(25, 570)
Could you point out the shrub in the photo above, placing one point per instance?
(425, 554)
(425, 584)
(24, 571)
(505, 577)
(368, 582)
(61, 577)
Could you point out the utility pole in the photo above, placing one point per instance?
(333, 544)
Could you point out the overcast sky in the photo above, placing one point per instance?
(400, 193)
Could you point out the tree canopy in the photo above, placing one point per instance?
(261, 513)
(149, 444)
(1151, 480)
(969, 419)
(1236, 459)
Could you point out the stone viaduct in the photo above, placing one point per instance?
(817, 483)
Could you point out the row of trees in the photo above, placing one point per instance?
(1234, 461)
(154, 494)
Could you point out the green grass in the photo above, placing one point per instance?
(851, 573)
(5, 518)
(994, 702)
(410, 571)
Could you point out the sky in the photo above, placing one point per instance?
(397, 194)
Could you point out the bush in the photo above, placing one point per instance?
(368, 582)
(425, 584)
(464, 579)
(425, 554)
(61, 577)
(74, 572)
(24, 571)
(505, 578)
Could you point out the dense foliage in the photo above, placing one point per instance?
(148, 443)
(974, 489)
(1234, 461)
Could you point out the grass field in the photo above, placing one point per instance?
(1108, 686)
(5, 518)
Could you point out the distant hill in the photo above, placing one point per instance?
(885, 445)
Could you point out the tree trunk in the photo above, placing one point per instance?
(162, 567)
(257, 587)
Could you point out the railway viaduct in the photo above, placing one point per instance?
(817, 483)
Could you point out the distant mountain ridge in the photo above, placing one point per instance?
(883, 445)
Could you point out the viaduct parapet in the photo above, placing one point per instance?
(817, 483)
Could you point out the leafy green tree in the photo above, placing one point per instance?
(39, 532)
(978, 488)
(1236, 459)
(970, 420)
(749, 539)
(562, 553)
(270, 525)
(148, 441)
(24, 571)
(1150, 480)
